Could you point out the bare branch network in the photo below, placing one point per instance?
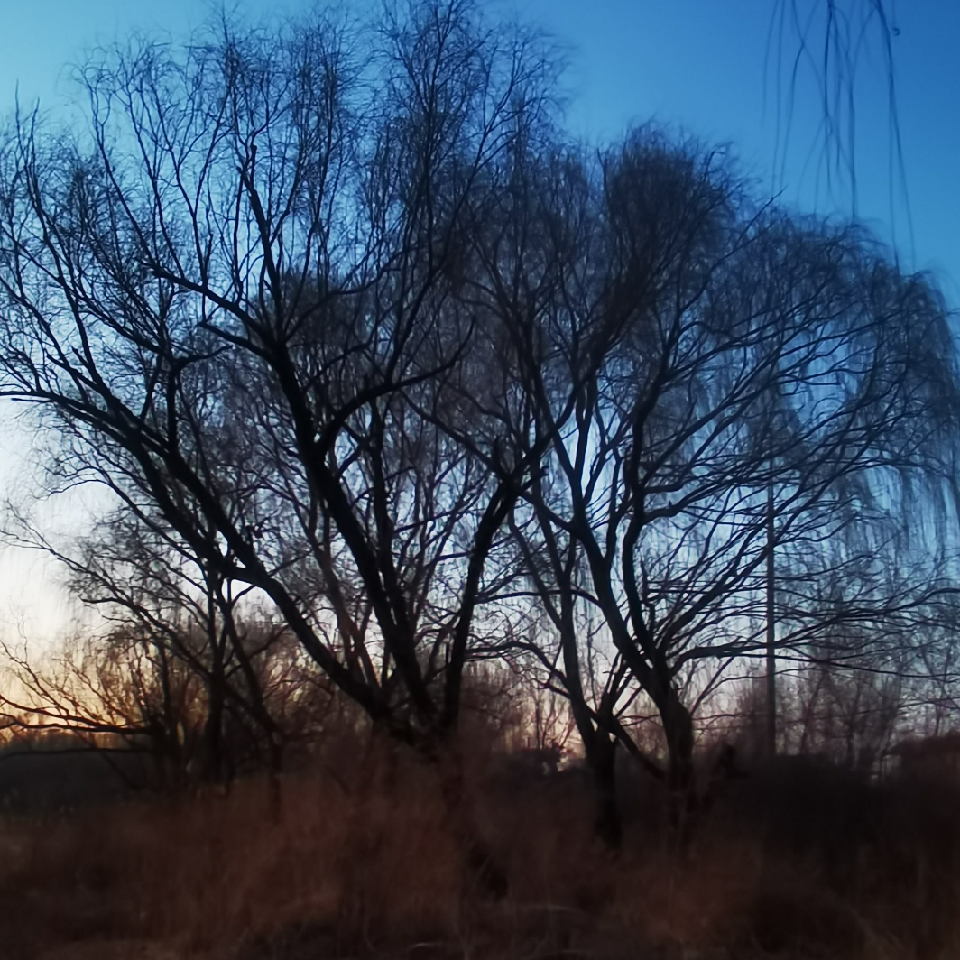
(388, 375)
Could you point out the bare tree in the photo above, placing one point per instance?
(230, 290)
(688, 353)
(340, 319)
(178, 667)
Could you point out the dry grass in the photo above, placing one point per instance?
(813, 866)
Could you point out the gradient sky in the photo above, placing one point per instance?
(699, 64)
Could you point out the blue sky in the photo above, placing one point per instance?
(698, 64)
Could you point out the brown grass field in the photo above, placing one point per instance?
(797, 860)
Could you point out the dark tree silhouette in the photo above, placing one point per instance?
(237, 292)
(339, 316)
(694, 361)
(182, 669)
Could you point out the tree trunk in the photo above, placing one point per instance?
(213, 768)
(274, 775)
(678, 728)
(607, 822)
(481, 864)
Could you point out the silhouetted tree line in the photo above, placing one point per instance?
(386, 374)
